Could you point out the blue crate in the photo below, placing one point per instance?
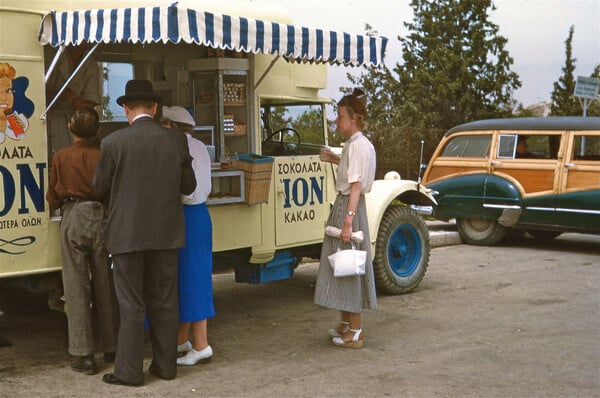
(281, 267)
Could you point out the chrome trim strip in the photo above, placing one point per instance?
(563, 210)
(424, 210)
(510, 207)
(581, 211)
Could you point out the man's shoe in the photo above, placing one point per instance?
(109, 357)
(85, 365)
(154, 370)
(110, 378)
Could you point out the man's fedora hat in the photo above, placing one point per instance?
(138, 90)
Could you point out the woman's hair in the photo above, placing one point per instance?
(7, 71)
(84, 122)
(166, 122)
(356, 103)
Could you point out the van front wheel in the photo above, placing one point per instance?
(475, 231)
(401, 251)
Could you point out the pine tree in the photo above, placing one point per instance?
(564, 103)
(455, 69)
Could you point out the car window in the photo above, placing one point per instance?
(586, 147)
(468, 146)
(520, 146)
(507, 146)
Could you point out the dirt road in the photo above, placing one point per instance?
(518, 320)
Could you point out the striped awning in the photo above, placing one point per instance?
(175, 24)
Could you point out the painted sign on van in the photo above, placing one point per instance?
(301, 195)
(23, 176)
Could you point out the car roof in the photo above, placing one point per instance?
(531, 123)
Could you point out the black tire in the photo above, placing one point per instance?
(401, 251)
(543, 236)
(475, 231)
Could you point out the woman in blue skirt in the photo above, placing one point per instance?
(195, 259)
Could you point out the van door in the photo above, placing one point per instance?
(578, 203)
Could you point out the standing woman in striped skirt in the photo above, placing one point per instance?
(355, 175)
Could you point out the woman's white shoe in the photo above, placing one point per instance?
(184, 347)
(339, 330)
(356, 342)
(193, 356)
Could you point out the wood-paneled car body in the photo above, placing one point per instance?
(541, 175)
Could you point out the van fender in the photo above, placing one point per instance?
(392, 188)
(399, 236)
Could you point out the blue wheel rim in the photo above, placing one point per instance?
(404, 250)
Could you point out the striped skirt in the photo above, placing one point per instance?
(352, 293)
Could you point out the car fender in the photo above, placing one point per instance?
(479, 195)
(391, 188)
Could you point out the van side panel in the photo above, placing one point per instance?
(28, 239)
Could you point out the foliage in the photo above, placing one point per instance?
(564, 103)
(594, 107)
(455, 69)
(310, 126)
(107, 114)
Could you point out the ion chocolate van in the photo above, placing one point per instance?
(251, 80)
(541, 175)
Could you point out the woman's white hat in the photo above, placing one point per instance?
(178, 114)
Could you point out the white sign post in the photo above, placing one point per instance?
(586, 89)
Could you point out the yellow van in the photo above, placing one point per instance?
(250, 78)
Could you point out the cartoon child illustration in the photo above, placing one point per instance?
(14, 120)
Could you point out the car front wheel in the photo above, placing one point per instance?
(480, 232)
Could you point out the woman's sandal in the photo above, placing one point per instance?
(356, 342)
(342, 328)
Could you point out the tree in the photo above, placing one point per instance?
(564, 103)
(594, 108)
(455, 69)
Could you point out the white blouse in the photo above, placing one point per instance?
(357, 164)
(202, 171)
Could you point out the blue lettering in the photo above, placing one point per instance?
(286, 190)
(295, 192)
(300, 191)
(8, 184)
(316, 189)
(28, 183)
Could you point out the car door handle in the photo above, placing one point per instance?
(570, 164)
(496, 162)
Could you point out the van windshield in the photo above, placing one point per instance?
(292, 129)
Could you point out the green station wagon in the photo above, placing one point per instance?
(541, 175)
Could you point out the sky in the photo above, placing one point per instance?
(536, 31)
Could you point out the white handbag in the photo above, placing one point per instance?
(348, 262)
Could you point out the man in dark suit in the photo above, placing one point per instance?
(143, 170)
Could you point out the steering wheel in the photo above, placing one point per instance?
(285, 147)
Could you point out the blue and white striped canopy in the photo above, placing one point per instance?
(174, 24)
